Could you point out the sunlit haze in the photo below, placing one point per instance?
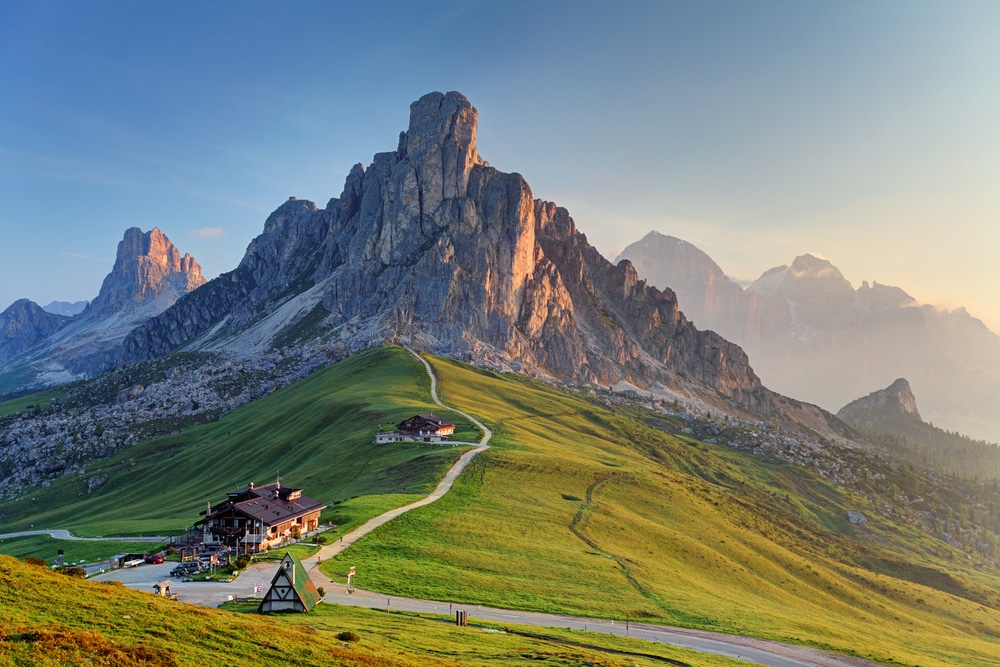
(866, 132)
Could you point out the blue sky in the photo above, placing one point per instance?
(866, 132)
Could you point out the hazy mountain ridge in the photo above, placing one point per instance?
(22, 325)
(810, 334)
(148, 276)
(889, 421)
(66, 308)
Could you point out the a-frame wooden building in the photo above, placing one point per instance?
(291, 588)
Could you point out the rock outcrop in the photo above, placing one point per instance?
(148, 268)
(430, 245)
(22, 325)
(895, 400)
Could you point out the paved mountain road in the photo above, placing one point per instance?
(65, 535)
(764, 652)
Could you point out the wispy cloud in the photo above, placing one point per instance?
(208, 233)
(89, 258)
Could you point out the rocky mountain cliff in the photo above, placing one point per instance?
(148, 276)
(894, 402)
(22, 325)
(431, 246)
(148, 269)
(810, 334)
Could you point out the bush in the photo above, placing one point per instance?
(348, 636)
(322, 592)
(242, 562)
(320, 539)
(74, 572)
(31, 560)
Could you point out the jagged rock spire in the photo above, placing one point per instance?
(147, 267)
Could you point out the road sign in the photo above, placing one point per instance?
(352, 572)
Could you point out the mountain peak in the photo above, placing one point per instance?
(147, 267)
(815, 267)
(896, 399)
(440, 144)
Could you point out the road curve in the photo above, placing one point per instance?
(65, 535)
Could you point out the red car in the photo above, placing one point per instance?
(155, 558)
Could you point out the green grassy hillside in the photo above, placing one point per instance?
(51, 620)
(577, 508)
(580, 510)
(316, 433)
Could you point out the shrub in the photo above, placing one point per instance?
(242, 562)
(322, 592)
(31, 560)
(320, 539)
(348, 636)
(74, 572)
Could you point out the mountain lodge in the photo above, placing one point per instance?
(258, 518)
(418, 428)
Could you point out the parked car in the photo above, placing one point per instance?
(185, 569)
(154, 558)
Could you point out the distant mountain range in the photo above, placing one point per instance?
(431, 246)
(808, 333)
(65, 307)
(39, 348)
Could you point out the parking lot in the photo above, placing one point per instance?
(207, 593)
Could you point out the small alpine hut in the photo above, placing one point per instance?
(418, 428)
(291, 588)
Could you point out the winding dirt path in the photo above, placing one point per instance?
(330, 550)
(748, 649)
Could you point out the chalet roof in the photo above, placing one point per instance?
(434, 419)
(291, 571)
(271, 504)
(427, 418)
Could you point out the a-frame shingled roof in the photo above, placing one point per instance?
(291, 575)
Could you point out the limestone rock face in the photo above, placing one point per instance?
(23, 324)
(147, 267)
(431, 246)
(897, 398)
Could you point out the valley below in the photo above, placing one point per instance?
(601, 505)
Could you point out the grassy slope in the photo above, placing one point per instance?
(317, 433)
(578, 510)
(75, 551)
(40, 399)
(575, 509)
(50, 620)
